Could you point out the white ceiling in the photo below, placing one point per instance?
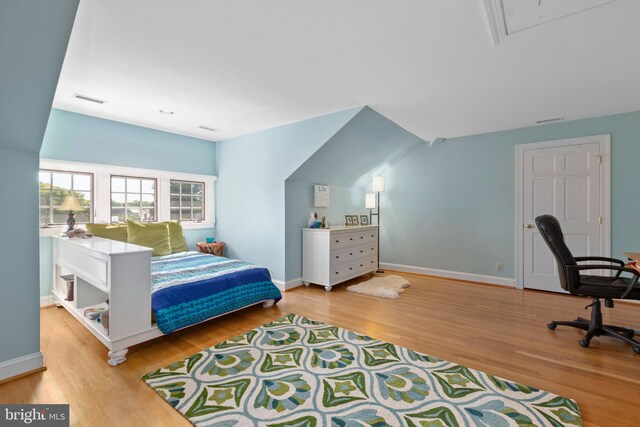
(430, 66)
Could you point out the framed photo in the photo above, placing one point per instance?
(364, 220)
(348, 219)
(320, 196)
(355, 220)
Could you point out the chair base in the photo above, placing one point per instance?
(596, 328)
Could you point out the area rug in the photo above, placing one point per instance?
(298, 372)
(384, 287)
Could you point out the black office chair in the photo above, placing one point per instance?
(606, 287)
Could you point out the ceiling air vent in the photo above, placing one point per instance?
(88, 98)
(555, 119)
(207, 128)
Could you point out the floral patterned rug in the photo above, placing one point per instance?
(298, 372)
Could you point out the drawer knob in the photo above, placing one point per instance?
(361, 265)
(350, 268)
(337, 272)
(362, 237)
(350, 238)
(337, 257)
(350, 253)
(361, 251)
(337, 241)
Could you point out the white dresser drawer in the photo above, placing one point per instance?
(367, 237)
(365, 251)
(343, 256)
(343, 240)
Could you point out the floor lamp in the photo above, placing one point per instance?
(372, 201)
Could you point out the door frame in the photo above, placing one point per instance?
(605, 192)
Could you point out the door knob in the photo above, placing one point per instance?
(528, 226)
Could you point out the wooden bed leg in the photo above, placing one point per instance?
(268, 303)
(117, 357)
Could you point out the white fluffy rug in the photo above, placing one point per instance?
(383, 287)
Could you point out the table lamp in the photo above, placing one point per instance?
(71, 205)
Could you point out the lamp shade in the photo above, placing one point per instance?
(71, 204)
(370, 201)
(377, 184)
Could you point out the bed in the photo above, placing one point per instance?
(191, 287)
(179, 290)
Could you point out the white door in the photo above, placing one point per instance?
(566, 182)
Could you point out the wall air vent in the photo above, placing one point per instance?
(555, 119)
(88, 98)
(207, 128)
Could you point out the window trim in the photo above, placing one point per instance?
(73, 191)
(102, 188)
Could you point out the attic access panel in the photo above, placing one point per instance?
(522, 14)
(507, 17)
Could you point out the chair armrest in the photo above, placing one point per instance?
(602, 267)
(599, 258)
(627, 291)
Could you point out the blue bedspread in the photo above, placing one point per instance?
(190, 287)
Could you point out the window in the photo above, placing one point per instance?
(115, 193)
(187, 200)
(55, 186)
(133, 198)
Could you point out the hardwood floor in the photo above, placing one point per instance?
(495, 329)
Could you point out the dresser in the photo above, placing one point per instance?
(332, 256)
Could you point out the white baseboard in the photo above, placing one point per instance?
(494, 280)
(47, 300)
(289, 284)
(20, 365)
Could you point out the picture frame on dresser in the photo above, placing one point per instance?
(364, 220)
(348, 220)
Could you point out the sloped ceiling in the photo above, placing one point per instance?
(369, 144)
(429, 66)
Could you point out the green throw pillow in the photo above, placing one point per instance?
(178, 243)
(108, 231)
(150, 235)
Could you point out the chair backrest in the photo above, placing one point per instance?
(551, 232)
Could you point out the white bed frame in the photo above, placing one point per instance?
(109, 270)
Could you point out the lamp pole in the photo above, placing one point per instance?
(379, 270)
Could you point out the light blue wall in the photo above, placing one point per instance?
(452, 207)
(370, 144)
(33, 41)
(252, 170)
(80, 138)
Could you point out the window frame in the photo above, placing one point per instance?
(156, 207)
(204, 197)
(72, 191)
(101, 193)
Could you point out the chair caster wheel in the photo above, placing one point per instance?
(583, 343)
(552, 326)
(636, 349)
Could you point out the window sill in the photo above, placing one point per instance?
(196, 225)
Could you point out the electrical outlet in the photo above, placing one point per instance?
(499, 266)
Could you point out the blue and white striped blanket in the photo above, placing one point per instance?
(190, 287)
